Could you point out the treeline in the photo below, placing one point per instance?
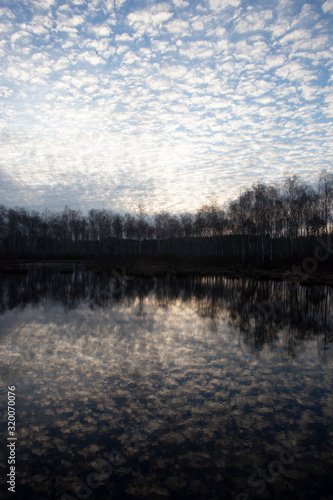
(266, 223)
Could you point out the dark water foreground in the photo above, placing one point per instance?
(202, 388)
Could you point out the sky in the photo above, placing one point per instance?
(114, 103)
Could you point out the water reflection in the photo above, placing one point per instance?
(198, 383)
(259, 310)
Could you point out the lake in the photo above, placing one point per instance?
(196, 388)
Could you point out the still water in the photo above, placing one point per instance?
(197, 388)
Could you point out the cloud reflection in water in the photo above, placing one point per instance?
(217, 398)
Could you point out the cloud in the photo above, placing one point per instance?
(7, 13)
(18, 35)
(173, 71)
(197, 25)
(207, 96)
(180, 3)
(327, 6)
(149, 19)
(178, 26)
(120, 3)
(100, 30)
(41, 5)
(294, 71)
(60, 63)
(16, 74)
(201, 50)
(91, 58)
(254, 21)
(273, 61)
(217, 5)
(73, 21)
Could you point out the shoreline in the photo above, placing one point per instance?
(159, 268)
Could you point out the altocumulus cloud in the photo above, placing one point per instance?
(109, 104)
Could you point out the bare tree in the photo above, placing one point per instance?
(326, 193)
(141, 224)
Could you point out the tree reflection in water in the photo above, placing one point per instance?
(258, 310)
(198, 382)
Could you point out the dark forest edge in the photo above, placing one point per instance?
(181, 268)
(266, 231)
